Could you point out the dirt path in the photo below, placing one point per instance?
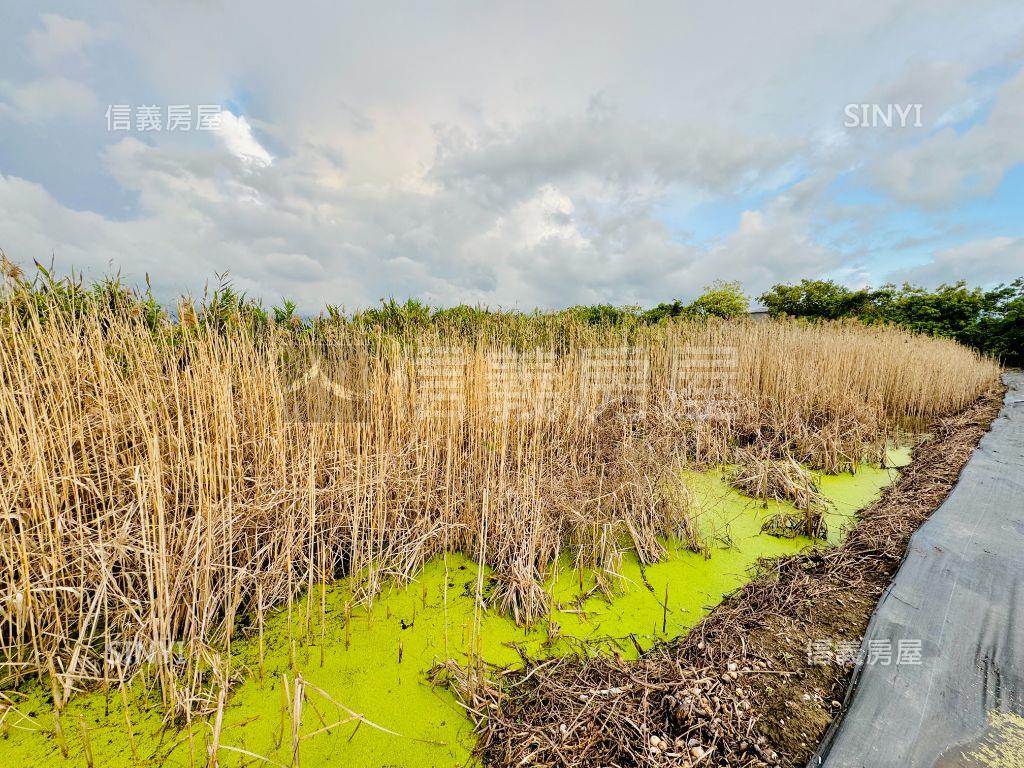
(956, 609)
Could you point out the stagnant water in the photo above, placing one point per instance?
(375, 663)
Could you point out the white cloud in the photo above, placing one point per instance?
(520, 157)
(59, 39)
(293, 266)
(548, 216)
(951, 166)
(47, 100)
(981, 262)
(610, 152)
(236, 133)
(354, 246)
(35, 226)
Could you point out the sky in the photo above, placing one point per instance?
(513, 155)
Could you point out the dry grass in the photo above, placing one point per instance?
(160, 486)
(739, 690)
(785, 479)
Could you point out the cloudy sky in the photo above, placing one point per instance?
(516, 154)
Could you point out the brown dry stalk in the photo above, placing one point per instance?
(761, 475)
(161, 486)
(739, 690)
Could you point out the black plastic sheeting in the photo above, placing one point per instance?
(960, 592)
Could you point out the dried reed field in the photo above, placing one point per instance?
(164, 483)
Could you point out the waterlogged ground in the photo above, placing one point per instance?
(374, 663)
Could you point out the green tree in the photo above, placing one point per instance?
(722, 299)
(822, 299)
(1000, 329)
(665, 310)
(950, 310)
(991, 321)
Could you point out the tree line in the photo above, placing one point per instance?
(990, 320)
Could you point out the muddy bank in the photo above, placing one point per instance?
(760, 679)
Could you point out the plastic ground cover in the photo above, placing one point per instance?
(960, 593)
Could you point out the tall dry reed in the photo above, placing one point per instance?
(160, 486)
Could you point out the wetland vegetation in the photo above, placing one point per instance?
(231, 536)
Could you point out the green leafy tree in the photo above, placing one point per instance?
(722, 299)
(990, 321)
(1001, 326)
(950, 310)
(664, 311)
(822, 299)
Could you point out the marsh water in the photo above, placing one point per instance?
(368, 700)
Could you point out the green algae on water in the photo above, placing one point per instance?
(368, 700)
